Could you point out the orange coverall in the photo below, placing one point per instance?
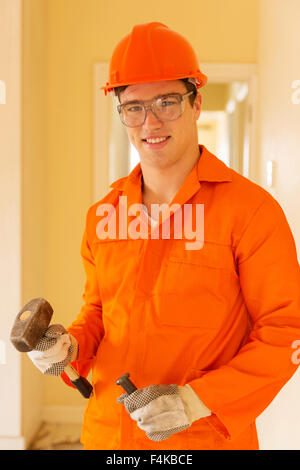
(222, 318)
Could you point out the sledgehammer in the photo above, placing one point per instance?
(29, 327)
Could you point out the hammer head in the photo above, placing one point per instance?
(30, 324)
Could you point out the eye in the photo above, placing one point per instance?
(134, 108)
(169, 101)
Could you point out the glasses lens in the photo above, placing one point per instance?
(133, 114)
(168, 108)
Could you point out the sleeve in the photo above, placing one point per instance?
(239, 391)
(88, 327)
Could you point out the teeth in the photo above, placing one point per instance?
(156, 141)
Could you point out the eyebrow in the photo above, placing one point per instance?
(154, 98)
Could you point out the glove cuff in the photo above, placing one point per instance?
(193, 406)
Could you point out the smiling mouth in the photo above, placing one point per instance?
(156, 140)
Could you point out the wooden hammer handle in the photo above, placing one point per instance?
(81, 383)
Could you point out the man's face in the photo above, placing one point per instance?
(182, 136)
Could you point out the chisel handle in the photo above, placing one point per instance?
(126, 383)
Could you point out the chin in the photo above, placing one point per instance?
(158, 160)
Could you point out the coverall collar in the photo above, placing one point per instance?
(209, 168)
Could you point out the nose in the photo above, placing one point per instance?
(151, 121)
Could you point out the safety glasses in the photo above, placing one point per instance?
(165, 108)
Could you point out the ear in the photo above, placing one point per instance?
(197, 105)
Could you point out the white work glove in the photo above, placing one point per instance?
(163, 410)
(54, 351)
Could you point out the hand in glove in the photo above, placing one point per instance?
(163, 410)
(54, 351)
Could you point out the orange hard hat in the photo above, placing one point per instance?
(151, 53)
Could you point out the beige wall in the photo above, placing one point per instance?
(10, 226)
(279, 140)
(279, 118)
(215, 96)
(34, 177)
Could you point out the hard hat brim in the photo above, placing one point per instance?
(201, 80)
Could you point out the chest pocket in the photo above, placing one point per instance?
(196, 288)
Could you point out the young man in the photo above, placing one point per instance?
(204, 326)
